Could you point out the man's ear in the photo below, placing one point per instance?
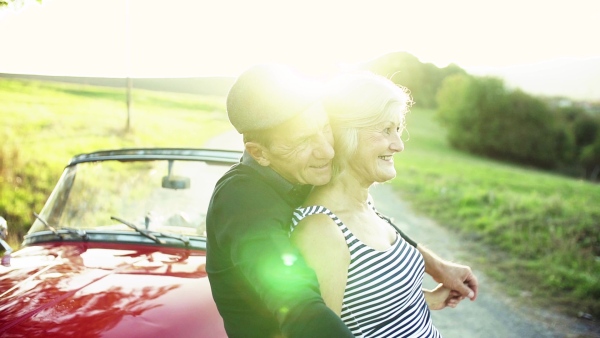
(258, 152)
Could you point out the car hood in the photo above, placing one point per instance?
(109, 291)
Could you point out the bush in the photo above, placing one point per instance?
(585, 129)
(422, 79)
(590, 159)
(484, 118)
(23, 189)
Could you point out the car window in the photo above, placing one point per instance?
(170, 197)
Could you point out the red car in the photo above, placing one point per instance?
(118, 250)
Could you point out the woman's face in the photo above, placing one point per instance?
(374, 160)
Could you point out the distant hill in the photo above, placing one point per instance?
(577, 79)
(217, 86)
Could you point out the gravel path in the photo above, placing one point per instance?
(493, 314)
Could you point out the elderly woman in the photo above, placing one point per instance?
(367, 273)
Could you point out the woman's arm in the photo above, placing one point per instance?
(323, 246)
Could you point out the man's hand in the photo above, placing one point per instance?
(454, 276)
(459, 278)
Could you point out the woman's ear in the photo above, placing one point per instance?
(258, 152)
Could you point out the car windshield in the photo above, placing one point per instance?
(167, 196)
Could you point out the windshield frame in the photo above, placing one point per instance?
(39, 233)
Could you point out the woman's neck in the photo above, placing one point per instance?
(344, 192)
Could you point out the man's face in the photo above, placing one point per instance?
(301, 149)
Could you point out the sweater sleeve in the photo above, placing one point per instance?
(254, 228)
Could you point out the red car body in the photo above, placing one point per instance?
(76, 279)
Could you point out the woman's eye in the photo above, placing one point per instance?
(387, 130)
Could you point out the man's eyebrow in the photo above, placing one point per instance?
(295, 138)
(308, 133)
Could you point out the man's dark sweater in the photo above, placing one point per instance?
(260, 282)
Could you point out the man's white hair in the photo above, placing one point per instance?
(3, 224)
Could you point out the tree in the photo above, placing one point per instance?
(484, 118)
(422, 79)
(15, 4)
(468, 107)
(590, 159)
(585, 129)
(535, 137)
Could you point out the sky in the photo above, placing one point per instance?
(187, 38)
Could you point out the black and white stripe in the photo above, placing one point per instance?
(383, 296)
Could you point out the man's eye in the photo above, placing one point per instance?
(387, 131)
(303, 142)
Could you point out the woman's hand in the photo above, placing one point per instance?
(440, 297)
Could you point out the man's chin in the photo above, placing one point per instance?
(321, 180)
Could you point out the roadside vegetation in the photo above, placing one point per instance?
(541, 231)
(536, 232)
(484, 117)
(44, 124)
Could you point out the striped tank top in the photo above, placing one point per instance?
(383, 296)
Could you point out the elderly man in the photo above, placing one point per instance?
(260, 283)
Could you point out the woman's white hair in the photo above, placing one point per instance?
(359, 100)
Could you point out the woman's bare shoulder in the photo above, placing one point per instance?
(315, 222)
(317, 229)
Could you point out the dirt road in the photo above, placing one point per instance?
(494, 314)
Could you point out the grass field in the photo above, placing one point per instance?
(535, 231)
(44, 124)
(541, 232)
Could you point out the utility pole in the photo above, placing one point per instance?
(128, 65)
(129, 104)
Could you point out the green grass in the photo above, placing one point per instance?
(44, 124)
(541, 232)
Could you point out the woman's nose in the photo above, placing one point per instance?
(397, 145)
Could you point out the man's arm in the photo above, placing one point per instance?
(287, 286)
(454, 276)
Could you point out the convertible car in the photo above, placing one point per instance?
(118, 250)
